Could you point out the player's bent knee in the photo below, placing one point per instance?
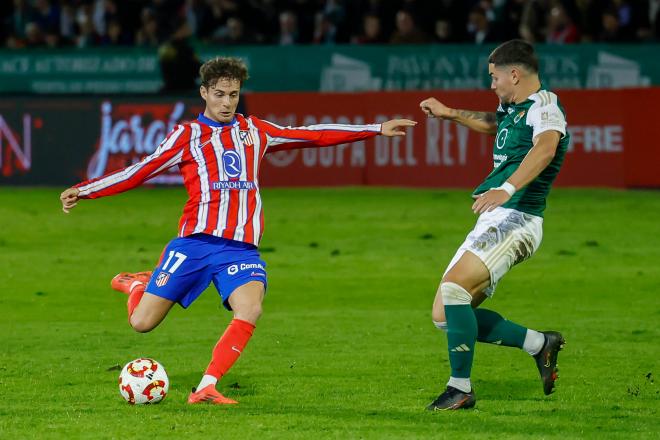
(141, 325)
(438, 315)
(454, 294)
(248, 312)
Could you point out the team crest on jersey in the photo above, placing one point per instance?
(246, 137)
(518, 117)
(162, 279)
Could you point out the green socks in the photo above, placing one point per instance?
(461, 338)
(494, 329)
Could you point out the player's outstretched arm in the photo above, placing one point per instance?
(324, 135)
(69, 199)
(396, 127)
(483, 122)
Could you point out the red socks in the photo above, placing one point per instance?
(137, 290)
(229, 347)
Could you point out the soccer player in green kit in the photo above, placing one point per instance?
(530, 143)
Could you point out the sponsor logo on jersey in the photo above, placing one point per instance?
(257, 274)
(518, 117)
(501, 138)
(232, 163)
(162, 279)
(233, 184)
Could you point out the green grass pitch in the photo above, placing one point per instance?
(346, 347)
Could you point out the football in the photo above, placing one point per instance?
(143, 381)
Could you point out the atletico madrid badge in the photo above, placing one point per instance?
(162, 279)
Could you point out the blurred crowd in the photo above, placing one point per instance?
(92, 23)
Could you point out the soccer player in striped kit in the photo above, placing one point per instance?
(219, 156)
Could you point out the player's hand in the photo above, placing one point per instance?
(69, 199)
(490, 200)
(435, 109)
(396, 127)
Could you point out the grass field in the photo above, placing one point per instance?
(346, 347)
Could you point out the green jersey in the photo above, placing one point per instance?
(517, 126)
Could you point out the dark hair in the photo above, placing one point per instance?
(223, 68)
(515, 52)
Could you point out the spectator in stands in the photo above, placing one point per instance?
(115, 35)
(612, 32)
(15, 24)
(654, 15)
(178, 62)
(479, 28)
(532, 21)
(147, 35)
(329, 24)
(46, 14)
(53, 39)
(561, 29)
(233, 33)
(407, 31)
(371, 31)
(331, 21)
(34, 36)
(443, 32)
(87, 36)
(288, 29)
(67, 25)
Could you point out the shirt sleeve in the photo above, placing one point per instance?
(168, 154)
(321, 135)
(545, 118)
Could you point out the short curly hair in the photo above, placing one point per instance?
(223, 68)
(515, 52)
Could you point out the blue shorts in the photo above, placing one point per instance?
(190, 264)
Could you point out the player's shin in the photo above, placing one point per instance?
(494, 329)
(136, 292)
(227, 350)
(461, 333)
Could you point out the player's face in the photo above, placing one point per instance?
(221, 99)
(501, 82)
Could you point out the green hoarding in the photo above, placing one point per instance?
(329, 68)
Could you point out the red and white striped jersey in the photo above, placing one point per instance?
(220, 167)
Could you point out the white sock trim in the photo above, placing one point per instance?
(460, 383)
(454, 295)
(533, 342)
(134, 284)
(207, 380)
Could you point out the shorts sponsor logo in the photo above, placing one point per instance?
(258, 274)
(235, 268)
(233, 184)
(162, 279)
